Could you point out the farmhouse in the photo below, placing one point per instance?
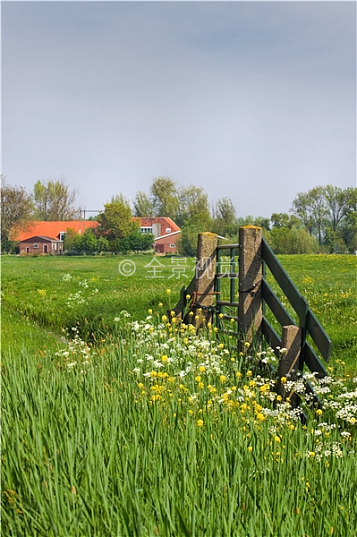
(164, 230)
(162, 227)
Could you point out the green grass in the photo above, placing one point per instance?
(114, 441)
(95, 293)
(143, 431)
(23, 336)
(37, 289)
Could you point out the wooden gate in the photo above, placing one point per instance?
(235, 287)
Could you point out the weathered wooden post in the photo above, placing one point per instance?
(203, 293)
(289, 364)
(250, 309)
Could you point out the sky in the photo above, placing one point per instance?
(255, 101)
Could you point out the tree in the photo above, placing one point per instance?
(54, 200)
(16, 210)
(301, 207)
(116, 221)
(120, 198)
(164, 197)
(225, 222)
(250, 220)
(84, 243)
(348, 226)
(335, 199)
(140, 242)
(102, 245)
(292, 241)
(69, 239)
(279, 220)
(328, 213)
(187, 240)
(143, 205)
(192, 200)
(311, 207)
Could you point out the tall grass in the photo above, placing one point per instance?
(122, 427)
(156, 434)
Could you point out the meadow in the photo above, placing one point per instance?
(116, 422)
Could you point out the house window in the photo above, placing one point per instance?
(62, 235)
(35, 245)
(172, 245)
(168, 230)
(146, 229)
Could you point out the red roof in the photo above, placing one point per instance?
(53, 229)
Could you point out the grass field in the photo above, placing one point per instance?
(89, 292)
(114, 423)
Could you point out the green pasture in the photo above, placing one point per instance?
(89, 292)
(116, 423)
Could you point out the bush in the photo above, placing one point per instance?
(292, 241)
(9, 247)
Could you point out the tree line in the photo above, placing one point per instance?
(324, 219)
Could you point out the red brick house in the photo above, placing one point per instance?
(166, 244)
(41, 245)
(163, 228)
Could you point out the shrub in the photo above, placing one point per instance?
(292, 241)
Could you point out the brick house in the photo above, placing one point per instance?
(163, 228)
(41, 245)
(166, 243)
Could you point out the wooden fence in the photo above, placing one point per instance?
(250, 299)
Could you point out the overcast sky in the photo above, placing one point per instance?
(251, 100)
